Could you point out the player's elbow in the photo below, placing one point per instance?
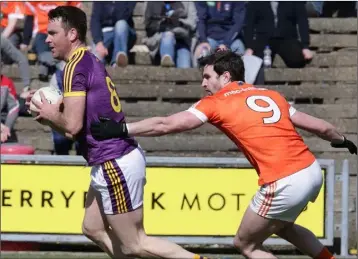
(74, 128)
(73, 131)
(70, 136)
(165, 126)
(163, 129)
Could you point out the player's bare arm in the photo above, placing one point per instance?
(156, 126)
(323, 129)
(69, 121)
(159, 126)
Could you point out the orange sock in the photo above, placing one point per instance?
(325, 254)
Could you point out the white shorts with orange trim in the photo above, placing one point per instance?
(285, 199)
(121, 182)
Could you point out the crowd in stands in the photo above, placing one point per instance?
(177, 34)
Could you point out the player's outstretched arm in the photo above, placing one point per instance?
(323, 129)
(156, 126)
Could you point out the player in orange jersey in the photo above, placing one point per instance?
(262, 124)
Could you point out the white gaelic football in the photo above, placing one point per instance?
(51, 94)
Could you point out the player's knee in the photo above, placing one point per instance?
(237, 243)
(244, 247)
(92, 233)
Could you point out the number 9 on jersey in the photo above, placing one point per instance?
(272, 107)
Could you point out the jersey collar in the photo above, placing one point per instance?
(233, 85)
(76, 51)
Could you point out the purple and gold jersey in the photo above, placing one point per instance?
(85, 75)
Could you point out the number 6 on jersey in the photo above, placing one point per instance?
(272, 107)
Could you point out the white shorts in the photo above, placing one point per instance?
(285, 199)
(121, 182)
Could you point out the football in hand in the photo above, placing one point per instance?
(51, 94)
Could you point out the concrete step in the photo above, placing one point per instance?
(146, 109)
(156, 74)
(333, 59)
(194, 91)
(316, 40)
(316, 25)
(333, 25)
(346, 126)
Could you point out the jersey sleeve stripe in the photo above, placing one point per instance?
(66, 74)
(292, 111)
(69, 69)
(77, 93)
(81, 54)
(201, 116)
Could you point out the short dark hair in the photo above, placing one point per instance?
(71, 17)
(225, 60)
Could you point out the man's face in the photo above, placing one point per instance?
(212, 82)
(58, 39)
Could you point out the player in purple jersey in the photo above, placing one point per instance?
(114, 205)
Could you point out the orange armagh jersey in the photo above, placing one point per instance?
(258, 121)
(40, 11)
(11, 10)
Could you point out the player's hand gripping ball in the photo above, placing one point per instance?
(52, 96)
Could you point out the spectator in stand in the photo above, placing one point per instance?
(36, 24)
(274, 24)
(112, 30)
(12, 19)
(5, 133)
(62, 145)
(9, 106)
(12, 23)
(170, 28)
(220, 26)
(15, 55)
